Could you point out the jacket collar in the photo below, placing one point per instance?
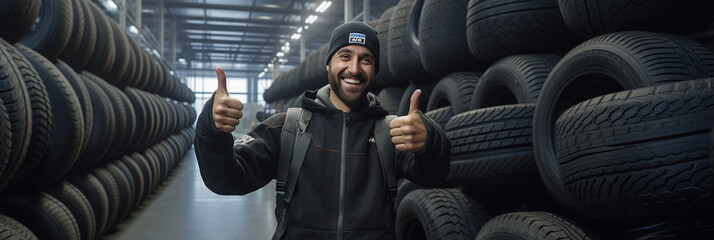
(319, 101)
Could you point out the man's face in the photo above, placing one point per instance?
(350, 73)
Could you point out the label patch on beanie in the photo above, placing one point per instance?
(357, 38)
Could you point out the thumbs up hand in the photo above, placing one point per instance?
(226, 110)
(408, 132)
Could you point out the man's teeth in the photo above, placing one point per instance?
(351, 80)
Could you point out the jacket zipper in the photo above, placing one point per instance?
(343, 163)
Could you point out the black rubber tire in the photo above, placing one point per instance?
(384, 78)
(439, 214)
(79, 206)
(590, 18)
(41, 121)
(606, 64)
(133, 184)
(130, 115)
(441, 115)
(496, 29)
(314, 72)
(76, 31)
(147, 172)
(11, 229)
(112, 191)
(493, 147)
(389, 98)
(51, 34)
(125, 194)
(442, 38)
(404, 58)
(639, 153)
(43, 214)
(532, 226)
(16, 98)
(17, 17)
(426, 90)
(513, 80)
(138, 61)
(94, 191)
(157, 166)
(140, 110)
(84, 100)
(105, 50)
(121, 129)
(5, 134)
(455, 90)
(67, 132)
(103, 128)
(404, 187)
(139, 180)
(80, 58)
(146, 73)
(115, 73)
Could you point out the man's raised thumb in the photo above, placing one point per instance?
(221, 81)
(414, 105)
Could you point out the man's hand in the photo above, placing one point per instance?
(226, 110)
(408, 132)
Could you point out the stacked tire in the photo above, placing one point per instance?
(90, 123)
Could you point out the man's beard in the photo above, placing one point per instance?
(336, 86)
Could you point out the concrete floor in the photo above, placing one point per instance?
(183, 208)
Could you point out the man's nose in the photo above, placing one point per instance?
(354, 67)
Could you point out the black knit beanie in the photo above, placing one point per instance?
(354, 33)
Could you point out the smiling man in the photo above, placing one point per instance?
(338, 186)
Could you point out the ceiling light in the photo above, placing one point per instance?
(311, 19)
(265, 17)
(280, 54)
(271, 6)
(111, 5)
(182, 60)
(265, 70)
(299, 30)
(261, 75)
(133, 29)
(323, 6)
(295, 36)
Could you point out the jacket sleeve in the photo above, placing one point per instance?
(239, 167)
(430, 166)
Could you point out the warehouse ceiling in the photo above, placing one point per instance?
(242, 36)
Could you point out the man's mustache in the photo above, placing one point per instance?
(350, 75)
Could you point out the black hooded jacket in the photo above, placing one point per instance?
(340, 192)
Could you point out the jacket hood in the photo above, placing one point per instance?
(319, 101)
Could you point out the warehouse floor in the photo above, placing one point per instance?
(183, 208)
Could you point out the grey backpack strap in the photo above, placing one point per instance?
(294, 142)
(386, 151)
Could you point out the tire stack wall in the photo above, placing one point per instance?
(92, 124)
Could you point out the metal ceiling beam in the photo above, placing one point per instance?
(229, 7)
(236, 42)
(213, 27)
(230, 20)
